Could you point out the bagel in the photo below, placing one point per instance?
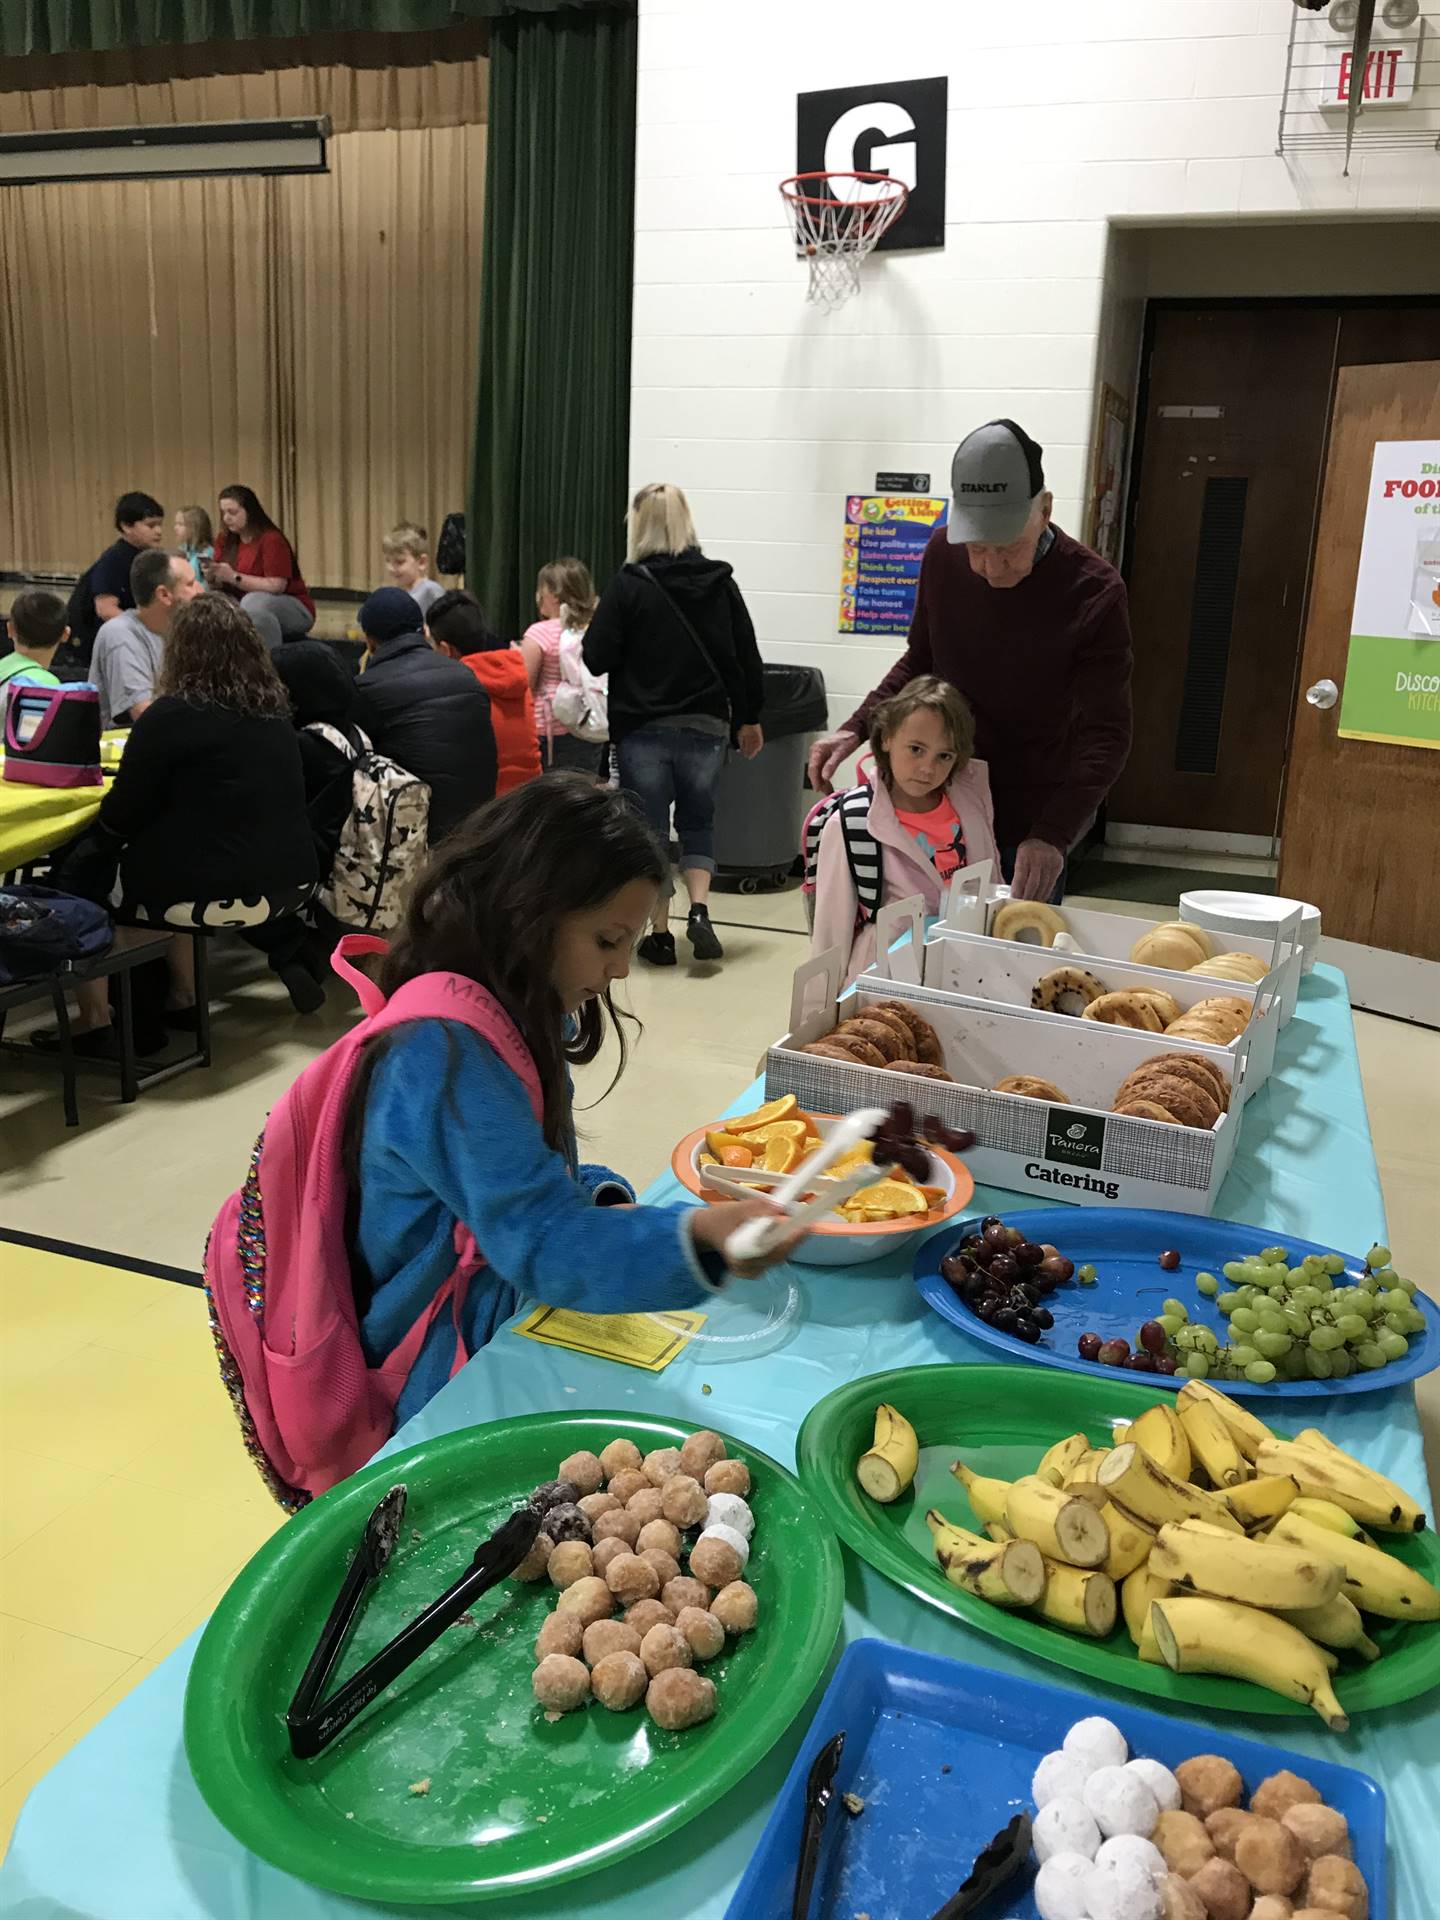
(927, 1041)
(1031, 1088)
(1191, 1105)
(1234, 966)
(858, 1047)
(1212, 1029)
(1066, 983)
(887, 1017)
(1170, 948)
(1228, 1018)
(1145, 1110)
(1124, 1010)
(1191, 1066)
(1164, 1004)
(823, 1050)
(1198, 934)
(922, 1068)
(1027, 916)
(881, 1036)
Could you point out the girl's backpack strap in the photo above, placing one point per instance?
(451, 996)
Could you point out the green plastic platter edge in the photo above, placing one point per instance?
(1000, 1419)
(514, 1802)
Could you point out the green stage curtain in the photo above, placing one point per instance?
(553, 401)
(100, 26)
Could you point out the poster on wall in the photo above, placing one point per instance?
(882, 545)
(1392, 674)
(1107, 474)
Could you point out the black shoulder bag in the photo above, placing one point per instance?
(700, 647)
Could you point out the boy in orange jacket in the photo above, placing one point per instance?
(457, 626)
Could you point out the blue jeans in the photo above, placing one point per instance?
(675, 766)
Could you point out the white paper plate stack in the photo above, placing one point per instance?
(1253, 913)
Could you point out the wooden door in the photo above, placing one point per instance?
(1236, 404)
(1360, 826)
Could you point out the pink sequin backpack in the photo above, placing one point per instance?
(277, 1272)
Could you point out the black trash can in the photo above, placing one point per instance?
(761, 803)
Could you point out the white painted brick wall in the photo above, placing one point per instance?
(1065, 115)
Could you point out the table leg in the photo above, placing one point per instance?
(129, 1079)
(202, 996)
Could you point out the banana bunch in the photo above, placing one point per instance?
(1222, 1548)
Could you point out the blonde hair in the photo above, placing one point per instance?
(198, 530)
(658, 522)
(569, 580)
(406, 538)
(927, 694)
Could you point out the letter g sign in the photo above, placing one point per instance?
(897, 129)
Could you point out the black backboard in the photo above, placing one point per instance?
(897, 129)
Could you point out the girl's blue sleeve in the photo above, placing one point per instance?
(449, 1115)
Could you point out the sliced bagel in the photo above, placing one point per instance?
(1064, 985)
(1165, 1004)
(1172, 948)
(1027, 916)
(1124, 1010)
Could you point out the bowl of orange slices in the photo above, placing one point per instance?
(775, 1138)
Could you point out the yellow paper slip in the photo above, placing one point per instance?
(634, 1339)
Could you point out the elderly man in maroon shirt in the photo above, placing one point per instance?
(1033, 628)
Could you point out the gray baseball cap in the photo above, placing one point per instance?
(994, 478)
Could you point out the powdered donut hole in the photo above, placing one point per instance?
(621, 1456)
(607, 1636)
(678, 1697)
(685, 1592)
(665, 1647)
(594, 1504)
(700, 1452)
(648, 1505)
(583, 1471)
(619, 1680)
(619, 1524)
(715, 1560)
(702, 1630)
(661, 1464)
(590, 1598)
(685, 1502)
(561, 1683)
(568, 1563)
(662, 1534)
(626, 1484)
(728, 1476)
(648, 1613)
(561, 1633)
(735, 1607)
(607, 1550)
(533, 1566)
(667, 1567)
(630, 1579)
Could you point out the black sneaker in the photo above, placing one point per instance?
(704, 940)
(305, 991)
(658, 949)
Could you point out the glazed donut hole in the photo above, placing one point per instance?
(590, 1598)
(607, 1550)
(583, 1471)
(618, 1525)
(560, 1633)
(619, 1680)
(648, 1505)
(700, 1452)
(660, 1465)
(736, 1607)
(561, 1683)
(649, 1613)
(569, 1562)
(702, 1630)
(685, 1592)
(665, 1647)
(533, 1566)
(667, 1567)
(603, 1637)
(620, 1456)
(631, 1579)
(684, 1501)
(626, 1483)
(594, 1504)
(660, 1533)
(678, 1697)
(728, 1476)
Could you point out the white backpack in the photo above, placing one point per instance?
(383, 842)
(580, 703)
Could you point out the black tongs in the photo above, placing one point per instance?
(313, 1723)
(1001, 1860)
(819, 1793)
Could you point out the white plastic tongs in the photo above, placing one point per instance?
(755, 1238)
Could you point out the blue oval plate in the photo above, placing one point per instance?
(1123, 1244)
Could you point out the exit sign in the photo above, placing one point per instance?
(1389, 74)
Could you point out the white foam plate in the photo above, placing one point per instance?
(1253, 913)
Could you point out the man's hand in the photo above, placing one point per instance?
(750, 741)
(826, 754)
(1038, 866)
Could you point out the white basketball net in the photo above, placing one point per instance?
(837, 220)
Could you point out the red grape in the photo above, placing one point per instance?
(1088, 1346)
(1152, 1337)
(1169, 1260)
(1114, 1353)
(1164, 1363)
(1141, 1363)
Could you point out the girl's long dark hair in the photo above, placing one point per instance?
(257, 520)
(488, 905)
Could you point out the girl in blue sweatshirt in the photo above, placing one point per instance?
(541, 898)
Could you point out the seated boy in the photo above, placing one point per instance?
(407, 561)
(37, 627)
(457, 626)
(103, 590)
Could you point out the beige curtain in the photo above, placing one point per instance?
(312, 336)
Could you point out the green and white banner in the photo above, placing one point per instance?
(1392, 677)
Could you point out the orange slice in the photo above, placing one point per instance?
(719, 1140)
(894, 1196)
(737, 1156)
(706, 1160)
(934, 1196)
(781, 1109)
(777, 1130)
(781, 1156)
(860, 1156)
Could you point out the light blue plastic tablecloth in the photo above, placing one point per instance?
(117, 1830)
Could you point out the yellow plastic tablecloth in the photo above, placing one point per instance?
(35, 820)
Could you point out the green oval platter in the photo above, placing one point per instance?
(514, 1802)
(1000, 1419)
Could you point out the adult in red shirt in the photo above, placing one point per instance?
(255, 564)
(1034, 630)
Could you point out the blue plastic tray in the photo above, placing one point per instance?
(908, 1717)
(1124, 1246)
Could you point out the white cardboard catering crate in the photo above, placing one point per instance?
(1082, 1153)
(972, 902)
(1004, 973)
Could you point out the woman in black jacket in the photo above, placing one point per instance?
(675, 637)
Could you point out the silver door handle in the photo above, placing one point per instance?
(1324, 693)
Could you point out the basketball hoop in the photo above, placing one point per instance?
(837, 220)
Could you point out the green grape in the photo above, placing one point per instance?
(1279, 1294)
(1292, 1365)
(1323, 1281)
(1334, 1262)
(1086, 1275)
(1307, 1297)
(1351, 1325)
(1234, 1271)
(1244, 1356)
(1326, 1339)
(1207, 1340)
(1298, 1321)
(1314, 1263)
(1273, 1256)
(1176, 1307)
(1270, 1346)
(1414, 1321)
(1370, 1355)
(1194, 1366)
(1342, 1365)
(1249, 1295)
(1171, 1325)
(1408, 1285)
(1227, 1303)
(1244, 1320)
(1394, 1346)
(1395, 1301)
(1393, 1323)
(1387, 1276)
(1272, 1320)
(1187, 1339)
(1378, 1256)
(1260, 1373)
(1363, 1303)
(1207, 1284)
(1319, 1366)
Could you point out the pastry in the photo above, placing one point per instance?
(1190, 1103)
(1066, 984)
(1189, 1066)
(923, 1068)
(859, 1049)
(1027, 916)
(1145, 1110)
(1218, 1020)
(1198, 934)
(1032, 1088)
(1171, 947)
(879, 1033)
(1124, 1010)
(1165, 1004)
(927, 1041)
(1234, 966)
(828, 1050)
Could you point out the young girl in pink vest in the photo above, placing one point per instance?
(930, 814)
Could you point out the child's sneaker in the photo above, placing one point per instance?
(703, 938)
(658, 949)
